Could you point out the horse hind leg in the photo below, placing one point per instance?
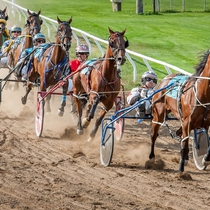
(24, 98)
(63, 102)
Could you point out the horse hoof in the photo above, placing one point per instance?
(80, 132)
(60, 113)
(23, 101)
(85, 123)
(185, 162)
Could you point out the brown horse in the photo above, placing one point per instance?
(4, 33)
(33, 27)
(101, 83)
(190, 104)
(51, 66)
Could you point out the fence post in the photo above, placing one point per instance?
(139, 7)
(183, 5)
(116, 5)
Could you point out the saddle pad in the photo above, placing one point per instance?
(40, 51)
(178, 81)
(89, 63)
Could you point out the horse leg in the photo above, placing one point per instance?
(24, 98)
(155, 129)
(97, 124)
(158, 116)
(86, 121)
(79, 111)
(184, 147)
(206, 158)
(63, 102)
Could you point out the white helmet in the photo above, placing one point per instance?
(149, 74)
(37, 37)
(82, 48)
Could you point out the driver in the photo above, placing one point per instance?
(148, 81)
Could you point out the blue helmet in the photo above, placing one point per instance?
(37, 37)
(16, 28)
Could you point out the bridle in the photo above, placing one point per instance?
(3, 24)
(122, 44)
(33, 22)
(65, 36)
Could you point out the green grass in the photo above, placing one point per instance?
(177, 38)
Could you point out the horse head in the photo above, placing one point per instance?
(34, 22)
(3, 14)
(3, 24)
(64, 33)
(117, 45)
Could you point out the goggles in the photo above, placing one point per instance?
(40, 41)
(148, 79)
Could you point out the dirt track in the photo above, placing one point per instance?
(61, 170)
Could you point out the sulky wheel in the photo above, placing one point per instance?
(107, 147)
(200, 144)
(39, 116)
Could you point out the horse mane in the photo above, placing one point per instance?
(200, 66)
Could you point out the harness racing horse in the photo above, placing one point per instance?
(4, 33)
(51, 67)
(191, 105)
(101, 83)
(33, 27)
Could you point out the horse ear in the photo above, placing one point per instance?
(41, 21)
(110, 31)
(29, 13)
(59, 21)
(123, 32)
(39, 12)
(6, 18)
(126, 42)
(4, 10)
(69, 21)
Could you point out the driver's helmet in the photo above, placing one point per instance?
(39, 37)
(82, 48)
(148, 74)
(16, 28)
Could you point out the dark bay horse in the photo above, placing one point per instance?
(101, 83)
(33, 26)
(4, 32)
(51, 66)
(191, 106)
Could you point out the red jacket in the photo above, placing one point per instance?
(74, 64)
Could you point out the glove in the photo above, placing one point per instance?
(135, 99)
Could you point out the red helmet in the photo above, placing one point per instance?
(82, 48)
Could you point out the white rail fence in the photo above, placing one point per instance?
(49, 26)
